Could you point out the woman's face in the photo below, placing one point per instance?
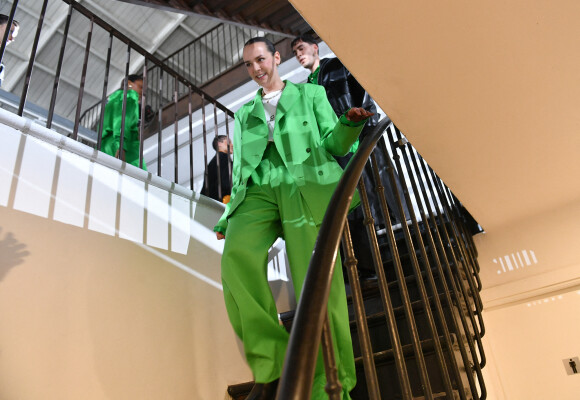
(261, 64)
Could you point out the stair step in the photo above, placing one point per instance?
(387, 375)
(387, 355)
(372, 295)
(379, 332)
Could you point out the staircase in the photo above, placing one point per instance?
(379, 333)
(417, 327)
(452, 305)
(420, 316)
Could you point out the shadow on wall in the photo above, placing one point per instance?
(12, 253)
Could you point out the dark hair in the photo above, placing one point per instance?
(132, 78)
(259, 39)
(216, 140)
(4, 20)
(306, 38)
(135, 77)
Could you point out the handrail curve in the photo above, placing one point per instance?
(300, 362)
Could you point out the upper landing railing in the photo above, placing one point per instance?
(204, 59)
(172, 153)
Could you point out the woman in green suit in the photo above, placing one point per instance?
(283, 177)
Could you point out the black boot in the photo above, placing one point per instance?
(264, 391)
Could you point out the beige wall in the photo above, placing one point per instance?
(91, 316)
(109, 282)
(530, 272)
(526, 343)
(549, 240)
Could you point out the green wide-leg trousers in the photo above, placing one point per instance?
(274, 207)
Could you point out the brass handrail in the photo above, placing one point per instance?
(300, 362)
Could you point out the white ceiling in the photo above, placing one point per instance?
(488, 92)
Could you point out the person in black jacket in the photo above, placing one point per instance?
(211, 185)
(342, 89)
(343, 92)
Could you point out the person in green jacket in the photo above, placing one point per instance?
(283, 177)
(113, 118)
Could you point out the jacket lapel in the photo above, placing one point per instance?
(256, 126)
(254, 136)
(289, 97)
(258, 108)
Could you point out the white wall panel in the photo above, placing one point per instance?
(157, 217)
(181, 212)
(34, 188)
(103, 209)
(71, 193)
(8, 154)
(131, 223)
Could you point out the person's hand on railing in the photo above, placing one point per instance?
(220, 236)
(358, 114)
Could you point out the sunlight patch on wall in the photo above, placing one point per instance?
(200, 233)
(545, 301)
(103, 202)
(132, 211)
(157, 217)
(35, 183)
(181, 214)
(71, 194)
(8, 155)
(182, 267)
(515, 261)
(42, 179)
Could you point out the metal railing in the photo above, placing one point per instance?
(431, 279)
(206, 115)
(210, 55)
(202, 60)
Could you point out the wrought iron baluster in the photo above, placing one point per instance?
(142, 119)
(105, 87)
(387, 303)
(121, 154)
(160, 123)
(333, 386)
(217, 156)
(176, 130)
(429, 274)
(32, 58)
(417, 347)
(190, 112)
(204, 135)
(58, 68)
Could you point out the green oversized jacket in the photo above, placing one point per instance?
(112, 126)
(307, 133)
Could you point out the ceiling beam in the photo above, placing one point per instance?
(67, 80)
(195, 10)
(18, 72)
